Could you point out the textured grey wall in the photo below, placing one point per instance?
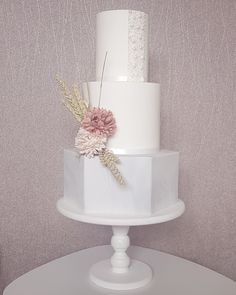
(192, 55)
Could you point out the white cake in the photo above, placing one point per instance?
(151, 176)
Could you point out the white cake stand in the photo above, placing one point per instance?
(120, 273)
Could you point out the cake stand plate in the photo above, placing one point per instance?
(72, 211)
(138, 275)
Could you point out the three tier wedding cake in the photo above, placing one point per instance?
(148, 176)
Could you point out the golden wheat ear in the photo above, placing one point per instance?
(109, 160)
(73, 100)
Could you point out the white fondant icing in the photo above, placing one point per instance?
(124, 35)
(136, 108)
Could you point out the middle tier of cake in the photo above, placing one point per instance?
(136, 108)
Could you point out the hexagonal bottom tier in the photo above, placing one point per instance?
(151, 184)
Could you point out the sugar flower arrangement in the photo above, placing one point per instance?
(96, 126)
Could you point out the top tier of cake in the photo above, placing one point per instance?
(123, 34)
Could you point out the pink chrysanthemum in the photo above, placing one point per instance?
(100, 122)
(89, 144)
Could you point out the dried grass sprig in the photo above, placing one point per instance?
(109, 160)
(110, 156)
(83, 105)
(73, 100)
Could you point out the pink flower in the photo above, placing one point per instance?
(100, 122)
(89, 144)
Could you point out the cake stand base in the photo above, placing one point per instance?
(138, 275)
(120, 272)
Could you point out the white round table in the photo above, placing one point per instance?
(172, 276)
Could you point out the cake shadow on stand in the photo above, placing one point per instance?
(149, 193)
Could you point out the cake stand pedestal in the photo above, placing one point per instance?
(120, 273)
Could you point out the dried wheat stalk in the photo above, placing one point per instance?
(73, 100)
(109, 160)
